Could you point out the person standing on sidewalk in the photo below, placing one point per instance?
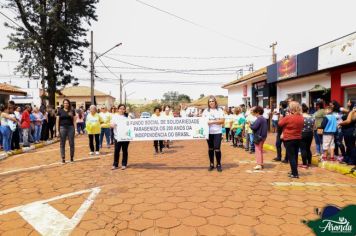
(292, 126)
(282, 113)
(215, 116)
(115, 121)
(275, 117)
(6, 121)
(307, 137)
(38, 124)
(26, 126)
(348, 126)
(260, 129)
(267, 115)
(105, 126)
(329, 126)
(65, 128)
(250, 119)
(318, 132)
(93, 127)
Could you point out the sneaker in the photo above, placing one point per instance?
(258, 167)
(219, 169)
(294, 176)
(91, 153)
(324, 158)
(303, 166)
(211, 168)
(332, 159)
(252, 152)
(123, 167)
(155, 153)
(114, 167)
(97, 153)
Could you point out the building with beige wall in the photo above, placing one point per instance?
(80, 96)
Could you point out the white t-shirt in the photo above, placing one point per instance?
(214, 114)
(115, 120)
(228, 119)
(275, 114)
(266, 113)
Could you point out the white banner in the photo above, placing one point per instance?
(163, 129)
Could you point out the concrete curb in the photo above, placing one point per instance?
(332, 166)
(4, 155)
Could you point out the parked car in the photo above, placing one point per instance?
(145, 115)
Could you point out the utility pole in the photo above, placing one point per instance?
(274, 55)
(121, 85)
(125, 97)
(91, 69)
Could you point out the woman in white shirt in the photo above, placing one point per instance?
(167, 113)
(116, 118)
(215, 116)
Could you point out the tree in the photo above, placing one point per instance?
(52, 38)
(183, 98)
(173, 98)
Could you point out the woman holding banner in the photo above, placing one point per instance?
(215, 116)
(115, 121)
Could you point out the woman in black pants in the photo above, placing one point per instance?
(157, 114)
(115, 121)
(307, 137)
(215, 116)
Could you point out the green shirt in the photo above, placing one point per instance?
(319, 116)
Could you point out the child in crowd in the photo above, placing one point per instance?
(329, 126)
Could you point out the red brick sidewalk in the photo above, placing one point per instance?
(171, 194)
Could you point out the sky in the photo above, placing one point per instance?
(194, 47)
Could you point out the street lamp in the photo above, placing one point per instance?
(122, 84)
(92, 61)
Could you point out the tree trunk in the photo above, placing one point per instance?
(52, 88)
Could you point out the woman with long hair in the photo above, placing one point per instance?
(80, 121)
(65, 127)
(338, 137)
(115, 121)
(307, 137)
(215, 116)
(348, 127)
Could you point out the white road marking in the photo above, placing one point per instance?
(314, 184)
(49, 221)
(49, 165)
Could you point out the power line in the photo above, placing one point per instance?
(14, 22)
(202, 26)
(167, 70)
(188, 57)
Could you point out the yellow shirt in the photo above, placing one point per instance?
(106, 117)
(92, 123)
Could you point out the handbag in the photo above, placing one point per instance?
(257, 139)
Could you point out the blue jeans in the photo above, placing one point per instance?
(38, 129)
(106, 132)
(80, 127)
(252, 144)
(318, 142)
(6, 137)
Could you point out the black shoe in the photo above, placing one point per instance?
(252, 152)
(211, 168)
(71, 159)
(63, 161)
(219, 169)
(246, 150)
(277, 159)
(285, 161)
